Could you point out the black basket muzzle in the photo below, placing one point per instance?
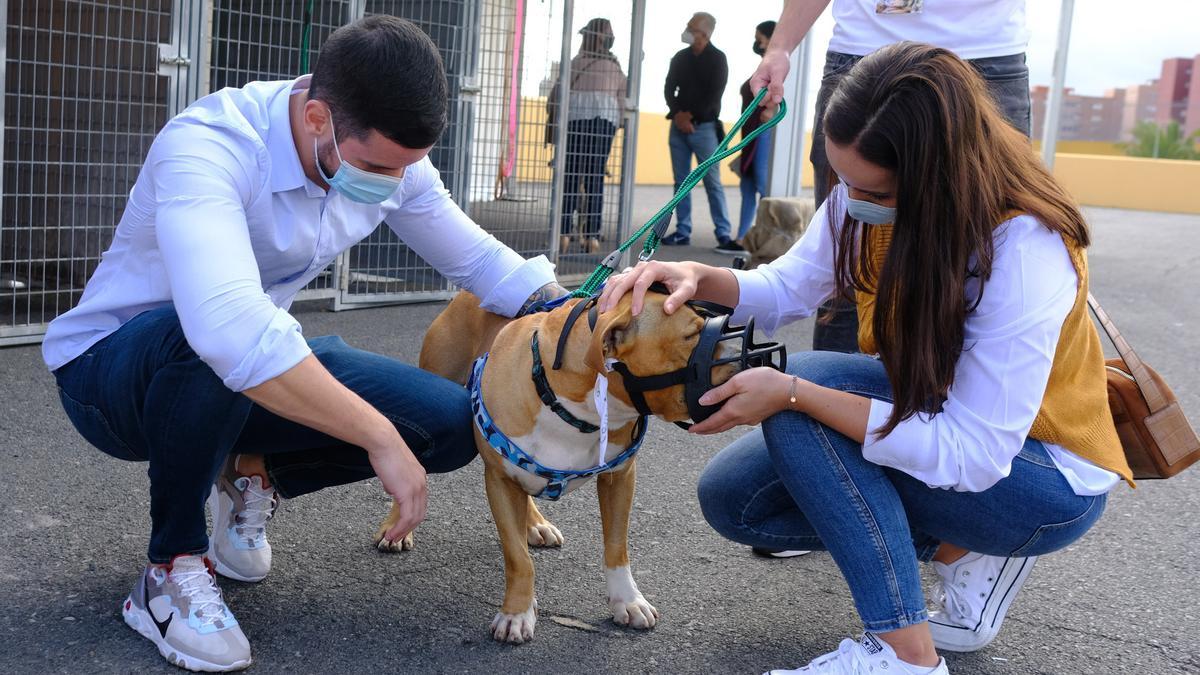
(696, 376)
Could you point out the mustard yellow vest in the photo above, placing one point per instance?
(1074, 413)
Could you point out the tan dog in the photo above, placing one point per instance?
(650, 343)
(778, 224)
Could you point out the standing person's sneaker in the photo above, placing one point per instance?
(674, 239)
(971, 598)
(868, 655)
(777, 553)
(240, 507)
(179, 608)
(730, 247)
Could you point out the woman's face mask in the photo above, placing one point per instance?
(355, 184)
(869, 212)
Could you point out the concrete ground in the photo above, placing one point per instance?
(73, 529)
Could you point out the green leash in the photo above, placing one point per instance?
(657, 224)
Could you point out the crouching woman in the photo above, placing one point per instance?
(979, 436)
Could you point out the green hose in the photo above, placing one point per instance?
(609, 265)
(304, 37)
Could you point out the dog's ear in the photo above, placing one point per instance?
(613, 329)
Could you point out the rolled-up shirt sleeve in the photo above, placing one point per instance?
(435, 228)
(1000, 378)
(792, 286)
(201, 185)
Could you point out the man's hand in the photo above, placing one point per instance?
(683, 122)
(403, 478)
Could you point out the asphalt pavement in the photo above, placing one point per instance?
(74, 524)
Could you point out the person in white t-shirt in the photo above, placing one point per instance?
(980, 437)
(182, 352)
(990, 34)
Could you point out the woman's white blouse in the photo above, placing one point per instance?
(1000, 378)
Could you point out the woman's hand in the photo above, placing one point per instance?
(771, 73)
(680, 278)
(750, 397)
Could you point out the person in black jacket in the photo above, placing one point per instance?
(695, 83)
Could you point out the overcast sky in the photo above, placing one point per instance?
(1114, 43)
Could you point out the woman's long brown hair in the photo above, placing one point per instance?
(925, 114)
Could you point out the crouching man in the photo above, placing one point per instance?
(182, 353)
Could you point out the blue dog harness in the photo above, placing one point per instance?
(558, 479)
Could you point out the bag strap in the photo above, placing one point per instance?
(1155, 399)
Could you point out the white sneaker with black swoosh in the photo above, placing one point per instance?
(179, 608)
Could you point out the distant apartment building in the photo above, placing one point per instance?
(1173, 97)
(1141, 103)
(1174, 85)
(1083, 118)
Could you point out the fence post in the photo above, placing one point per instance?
(560, 138)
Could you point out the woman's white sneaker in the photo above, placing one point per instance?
(869, 655)
(971, 598)
(179, 608)
(241, 508)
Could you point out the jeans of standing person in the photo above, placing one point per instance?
(589, 143)
(754, 185)
(142, 394)
(797, 484)
(702, 143)
(1007, 79)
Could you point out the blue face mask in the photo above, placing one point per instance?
(354, 183)
(870, 212)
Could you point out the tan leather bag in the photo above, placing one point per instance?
(1155, 434)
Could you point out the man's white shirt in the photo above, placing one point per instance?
(223, 223)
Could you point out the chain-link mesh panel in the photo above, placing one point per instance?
(264, 40)
(381, 267)
(593, 155)
(83, 98)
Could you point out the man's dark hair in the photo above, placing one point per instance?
(383, 73)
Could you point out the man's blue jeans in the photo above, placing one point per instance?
(797, 484)
(142, 394)
(702, 143)
(755, 185)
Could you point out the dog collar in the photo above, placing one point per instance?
(557, 479)
(546, 394)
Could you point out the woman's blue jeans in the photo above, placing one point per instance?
(797, 484)
(142, 394)
(754, 184)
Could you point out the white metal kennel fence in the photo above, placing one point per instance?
(88, 83)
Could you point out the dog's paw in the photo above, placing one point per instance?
(635, 613)
(515, 628)
(404, 543)
(544, 534)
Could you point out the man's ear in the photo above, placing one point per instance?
(315, 116)
(613, 329)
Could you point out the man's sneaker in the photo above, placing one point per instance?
(240, 507)
(776, 553)
(971, 598)
(730, 247)
(868, 655)
(179, 608)
(675, 239)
